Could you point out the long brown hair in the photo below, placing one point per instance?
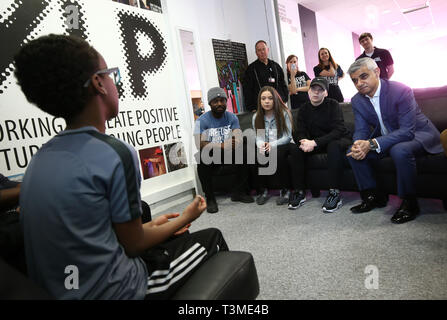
(331, 60)
(278, 106)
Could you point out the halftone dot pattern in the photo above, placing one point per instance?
(22, 13)
(120, 89)
(141, 62)
(34, 33)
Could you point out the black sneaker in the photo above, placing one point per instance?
(262, 197)
(333, 201)
(211, 205)
(297, 198)
(283, 198)
(240, 197)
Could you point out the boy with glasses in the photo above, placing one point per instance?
(80, 202)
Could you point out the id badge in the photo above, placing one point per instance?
(272, 80)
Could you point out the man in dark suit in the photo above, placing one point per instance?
(400, 130)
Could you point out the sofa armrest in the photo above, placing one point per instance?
(228, 275)
(14, 285)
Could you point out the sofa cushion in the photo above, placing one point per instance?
(433, 103)
(245, 120)
(348, 115)
(434, 164)
(14, 285)
(228, 275)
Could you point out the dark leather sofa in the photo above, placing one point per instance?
(432, 169)
(228, 275)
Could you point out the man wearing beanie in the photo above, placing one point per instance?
(218, 136)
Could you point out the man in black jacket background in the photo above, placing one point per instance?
(263, 72)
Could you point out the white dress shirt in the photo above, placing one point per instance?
(375, 101)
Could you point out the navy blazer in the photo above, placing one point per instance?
(401, 116)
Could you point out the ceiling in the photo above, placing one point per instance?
(385, 20)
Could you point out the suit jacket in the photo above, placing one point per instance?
(401, 116)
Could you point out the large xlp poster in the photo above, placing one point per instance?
(133, 39)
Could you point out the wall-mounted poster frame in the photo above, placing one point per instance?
(231, 63)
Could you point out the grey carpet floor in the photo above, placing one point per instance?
(306, 254)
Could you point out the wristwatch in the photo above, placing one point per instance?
(372, 145)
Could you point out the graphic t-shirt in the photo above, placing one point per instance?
(300, 97)
(216, 130)
(334, 91)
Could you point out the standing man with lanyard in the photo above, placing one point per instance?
(260, 73)
(382, 57)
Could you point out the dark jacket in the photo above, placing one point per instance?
(323, 123)
(256, 76)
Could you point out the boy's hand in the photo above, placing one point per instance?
(195, 208)
(307, 145)
(182, 230)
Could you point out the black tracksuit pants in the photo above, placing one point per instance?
(172, 262)
(205, 173)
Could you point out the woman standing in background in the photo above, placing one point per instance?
(298, 82)
(328, 69)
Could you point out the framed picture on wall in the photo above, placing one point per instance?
(231, 63)
(154, 5)
(133, 3)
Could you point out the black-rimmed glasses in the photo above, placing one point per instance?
(114, 73)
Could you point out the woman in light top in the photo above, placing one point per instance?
(328, 69)
(298, 81)
(274, 125)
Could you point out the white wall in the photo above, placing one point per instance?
(339, 42)
(419, 64)
(291, 32)
(239, 21)
(190, 60)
